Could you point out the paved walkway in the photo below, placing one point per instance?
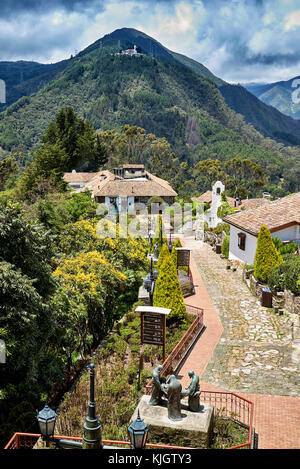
(246, 349)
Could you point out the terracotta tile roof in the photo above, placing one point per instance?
(126, 188)
(105, 183)
(207, 198)
(274, 215)
(253, 203)
(133, 166)
(204, 198)
(78, 177)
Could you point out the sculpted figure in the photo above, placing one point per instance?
(193, 392)
(157, 382)
(173, 392)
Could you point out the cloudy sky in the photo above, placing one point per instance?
(238, 40)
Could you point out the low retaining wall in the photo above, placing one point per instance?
(283, 300)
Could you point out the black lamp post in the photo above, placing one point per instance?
(92, 438)
(138, 433)
(170, 245)
(149, 282)
(91, 429)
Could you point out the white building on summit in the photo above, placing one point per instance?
(130, 51)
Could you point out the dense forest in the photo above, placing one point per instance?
(61, 286)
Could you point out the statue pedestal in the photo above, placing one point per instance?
(194, 430)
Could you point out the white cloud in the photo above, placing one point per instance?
(234, 40)
(292, 20)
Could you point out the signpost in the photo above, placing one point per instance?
(153, 326)
(183, 257)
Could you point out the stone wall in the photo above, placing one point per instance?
(292, 302)
(283, 300)
(213, 238)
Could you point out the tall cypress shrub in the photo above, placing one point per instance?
(266, 256)
(167, 293)
(164, 253)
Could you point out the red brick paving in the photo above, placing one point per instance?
(276, 418)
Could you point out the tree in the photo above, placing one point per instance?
(8, 172)
(266, 256)
(94, 284)
(28, 246)
(167, 293)
(68, 143)
(160, 234)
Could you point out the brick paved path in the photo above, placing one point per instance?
(246, 349)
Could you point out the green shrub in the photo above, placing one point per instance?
(163, 254)
(225, 246)
(266, 257)
(286, 276)
(289, 248)
(167, 293)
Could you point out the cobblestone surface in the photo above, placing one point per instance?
(255, 353)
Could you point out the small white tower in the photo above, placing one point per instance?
(212, 215)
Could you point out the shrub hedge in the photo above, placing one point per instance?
(286, 275)
(266, 257)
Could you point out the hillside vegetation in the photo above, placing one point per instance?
(158, 94)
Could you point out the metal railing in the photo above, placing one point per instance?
(29, 440)
(176, 357)
(230, 405)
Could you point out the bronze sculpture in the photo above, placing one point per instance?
(193, 392)
(173, 392)
(157, 382)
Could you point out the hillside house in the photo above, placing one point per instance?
(281, 217)
(127, 188)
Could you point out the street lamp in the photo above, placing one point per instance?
(138, 433)
(46, 419)
(170, 245)
(149, 282)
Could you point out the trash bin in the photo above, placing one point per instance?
(266, 297)
(218, 248)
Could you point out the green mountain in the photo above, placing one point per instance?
(24, 78)
(165, 93)
(282, 95)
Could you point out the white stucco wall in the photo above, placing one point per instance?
(288, 234)
(235, 253)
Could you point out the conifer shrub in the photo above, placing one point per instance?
(174, 256)
(160, 234)
(164, 254)
(266, 256)
(225, 246)
(167, 293)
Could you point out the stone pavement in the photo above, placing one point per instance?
(245, 348)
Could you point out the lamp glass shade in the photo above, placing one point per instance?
(46, 419)
(138, 433)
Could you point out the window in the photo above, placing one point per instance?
(242, 241)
